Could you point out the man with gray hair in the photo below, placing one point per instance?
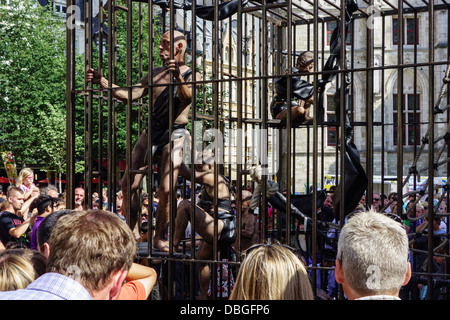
(50, 190)
(372, 257)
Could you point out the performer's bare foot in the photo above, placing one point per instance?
(161, 245)
(308, 120)
(177, 248)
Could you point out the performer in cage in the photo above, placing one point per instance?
(204, 215)
(160, 134)
(301, 92)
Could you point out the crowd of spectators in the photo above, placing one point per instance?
(41, 255)
(29, 214)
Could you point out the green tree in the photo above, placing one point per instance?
(32, 83)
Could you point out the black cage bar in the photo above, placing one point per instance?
(394, 64)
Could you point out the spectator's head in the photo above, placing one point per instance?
(20, 267)
(79, 198)
(15, 198)
(143, 231)
(425, 207)
(328, 202)
(376, 201)
(372, 256)
(145, 200)
(363, 200)
(272, 272)
(26, 177)
(45, 230)
(119, 205)
(96, 248)
(50, 190)
(46, 204)
(392, 197)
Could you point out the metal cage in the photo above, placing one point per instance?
(392, 54)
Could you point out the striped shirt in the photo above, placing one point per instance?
(49, 286)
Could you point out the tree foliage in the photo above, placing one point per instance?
(32, 83)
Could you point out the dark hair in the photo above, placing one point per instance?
(143, 227)
(46, 226)
(42, 202)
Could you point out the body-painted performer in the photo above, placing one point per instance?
(204, 215)
(160, 127)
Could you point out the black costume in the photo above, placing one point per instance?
(160, 118)
(224, 213)
(300, 89)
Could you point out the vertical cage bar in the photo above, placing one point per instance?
(400, 109)
(431, 169)
(88, 116)
(70, 111)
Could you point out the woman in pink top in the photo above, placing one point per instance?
(25, 182)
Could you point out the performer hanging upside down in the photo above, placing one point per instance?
(204, 211)
(160, 128)
(301, 92)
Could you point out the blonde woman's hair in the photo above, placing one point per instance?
(25, 172)
(20, 267)
(272, 272)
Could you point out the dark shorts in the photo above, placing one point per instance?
(278, 106)
(160, 138)
(228, 234)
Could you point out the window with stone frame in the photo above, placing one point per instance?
(410, 31)
(331, 25)
(410, 112)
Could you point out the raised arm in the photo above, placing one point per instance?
(26, 205)
(18, 231)
(204, 178)
(139, 90)
(143, 274)
(184, 90)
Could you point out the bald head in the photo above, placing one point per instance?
(246, 195)
(179, 40)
